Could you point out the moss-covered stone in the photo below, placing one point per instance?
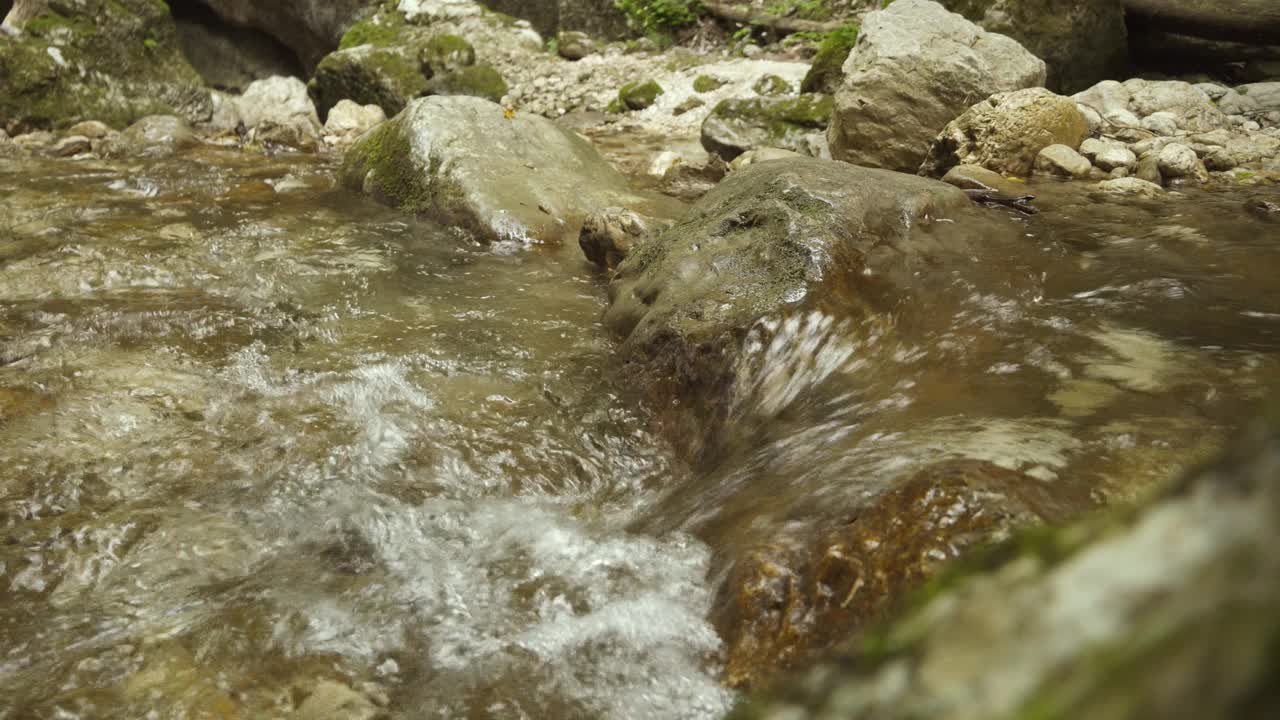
(480, 80)
(740, 124)
(448, 52)
(770, 85)
(108, 60)
(706, 84)
(382, 29)
(386, 76)
(827, 71)
(639, 95)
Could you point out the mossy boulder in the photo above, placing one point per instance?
(462, 161)
(791, 123)
(387, 62)
(827, 71)
(386, 76)
(772, 85)
(1163, 611)
(481, 81)
(706, 84)
(639, 95)
(108, 60)
(1081, 41)
(447, 52)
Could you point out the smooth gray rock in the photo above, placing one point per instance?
(915, 68)
(460, 160)
(1062, 161)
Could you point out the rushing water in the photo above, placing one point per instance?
(267, 447)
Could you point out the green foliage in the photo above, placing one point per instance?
(658, 17)
(827, 69)
(809, 9)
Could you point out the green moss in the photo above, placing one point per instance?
(444, 52)
(386, 158)
(476, 80)
(130, 44)
(781, 116)
(772, 85)
(828, 65)
(379, 30)
(639, 95)
(706, 83)
(375, 76)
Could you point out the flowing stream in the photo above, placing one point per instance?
(267, 447)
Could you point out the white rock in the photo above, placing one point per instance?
(1161, 123)
(1131, 186)
(663, 162)
(1179, 161)
(281, 101)
(348, 119)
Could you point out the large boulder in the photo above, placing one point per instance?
(1006, 132)
(387, 62)
(311, 28)
(108, 60)
(1081, 41)
(388, 77)
(1163, 612)
(465, 161)
(916, 67)
(768, 239)
(737, 125)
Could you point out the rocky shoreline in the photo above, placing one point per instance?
(767, 203)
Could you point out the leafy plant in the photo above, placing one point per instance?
(656, 17)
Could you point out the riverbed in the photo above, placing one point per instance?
(267, 446)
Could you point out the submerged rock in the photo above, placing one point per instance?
(462, 161)
(608, 235)
(789, 123)
(783, 604)
(769, 238)
(914, 69)
(1005, 132)
(153, 136)
(108, 60)
(1164, 612)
